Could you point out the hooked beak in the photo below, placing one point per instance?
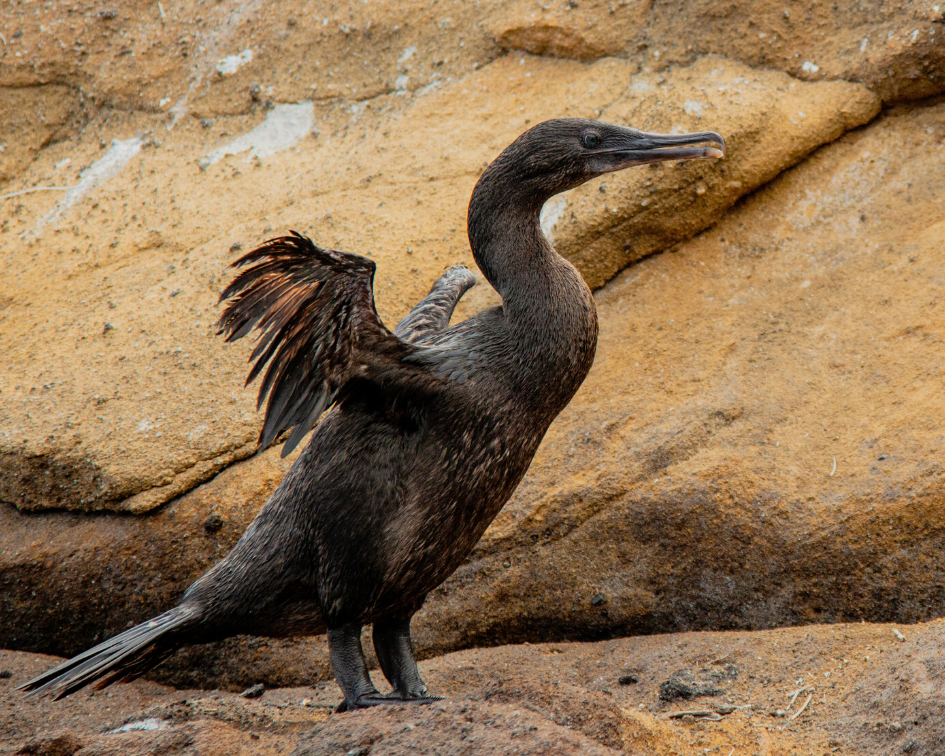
(643, 147)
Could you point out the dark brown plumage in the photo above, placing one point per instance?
(428, 429)
(318, 329)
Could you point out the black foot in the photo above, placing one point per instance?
(424, 698)
(347, 662)
(392, 641)
(393, 699)
(395, 654)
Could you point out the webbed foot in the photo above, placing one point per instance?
(416, 697)
(391, 699)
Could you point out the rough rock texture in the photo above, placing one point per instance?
(581, 31)
(730, 375)
(760, 440)
(80, 579)
(119, 342)
(895, 49)
(31, 118)
(691, 484)
(769, 122)
(144, 56)
(853, 689)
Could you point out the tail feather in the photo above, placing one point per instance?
(120, 659)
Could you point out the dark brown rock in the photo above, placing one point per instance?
(868, 692)
(683, 686)
(61, 744)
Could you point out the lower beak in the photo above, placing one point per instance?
(655, 148)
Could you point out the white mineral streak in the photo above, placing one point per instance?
(106, 167)
(551, 213)
(146, 725)
(211, 45)
(284, 127)
(233, 63)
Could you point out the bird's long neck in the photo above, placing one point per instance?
(507, 241)
(548, 307)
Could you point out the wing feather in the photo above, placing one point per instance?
(432, 313)
(317, 325)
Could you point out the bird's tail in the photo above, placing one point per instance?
(119, 659)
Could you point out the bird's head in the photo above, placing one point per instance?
(558, 155)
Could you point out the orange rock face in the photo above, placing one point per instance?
(759, 443)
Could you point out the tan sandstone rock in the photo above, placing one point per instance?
(30, 119)
(214, 59)
(217, 59)
(581, 31)
(118, 395)
(769, 122)
(689, 483)
(760, 439)
(894, 49)
(675, 493)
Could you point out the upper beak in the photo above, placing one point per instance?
(643, 147)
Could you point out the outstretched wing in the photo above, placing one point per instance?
(318, 329)
(432, 313)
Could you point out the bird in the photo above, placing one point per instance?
(419, 435)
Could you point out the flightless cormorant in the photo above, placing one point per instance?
(428, 428)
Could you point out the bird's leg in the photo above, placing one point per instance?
(395, 654)
(347, 662)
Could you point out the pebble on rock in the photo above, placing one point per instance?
(254, 692)
(682, 685)
(213, 523)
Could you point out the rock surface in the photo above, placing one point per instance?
(119, 342)
(896, 50)
(852, 689)
(730, 375)
(214, 59)
(769, 122)
(30, 119)
(759, 441)
(692, 482)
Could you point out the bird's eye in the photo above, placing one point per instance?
(591, 140)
